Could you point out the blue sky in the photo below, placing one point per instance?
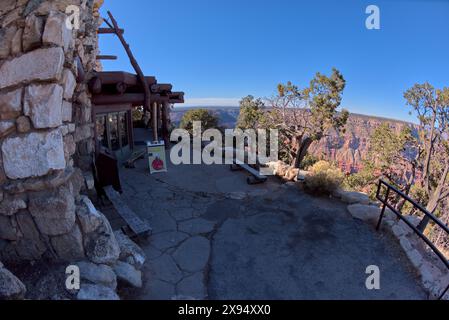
(219, 51)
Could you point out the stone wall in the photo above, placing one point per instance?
(46, 132)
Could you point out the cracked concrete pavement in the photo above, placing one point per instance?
(215, 237)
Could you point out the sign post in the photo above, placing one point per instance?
(157, 157)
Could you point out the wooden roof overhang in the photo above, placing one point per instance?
(112, 87)
(176, 97)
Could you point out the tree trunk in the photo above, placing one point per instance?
(435, 198)
(431, 207)
(302, 152)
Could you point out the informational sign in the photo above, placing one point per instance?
(157, 157)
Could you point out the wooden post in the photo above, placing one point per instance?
(155, 122)
(147, 93)
(165, 122)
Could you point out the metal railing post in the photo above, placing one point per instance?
(384, 207)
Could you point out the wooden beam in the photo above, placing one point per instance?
(173, 101)
(106, 57)
(176, 97)
(161, 87)
(136, 99)
(109, 31)
(147, 93)
(109, 108)
(132, 98)
(113, 77)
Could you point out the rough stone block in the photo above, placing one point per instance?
(69, 246)
(16, 42)
(26, 69)
(370, 214)
(101, 245)
(7, 127)
(11, 205)
(128, 274)
(32, 34)
(69, 84)
(53, 211)
(89, 218)
(96, 292)
(66, 111)
(7, 5)
(11, 288)
(33, 155)
(9, 229)
(82, 133)
(30, 246)
(6, 37)
(415, 257)
(10, 104)
(56, 31)
(11, 17)
(43, 104)
(354, 197)
(98, 274)
(69, 146)
(130, 252)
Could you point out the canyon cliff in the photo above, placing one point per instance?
(347, 149)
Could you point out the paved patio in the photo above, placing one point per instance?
(215, 237)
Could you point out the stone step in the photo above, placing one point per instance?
(137, 225)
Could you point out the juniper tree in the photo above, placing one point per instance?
(251, 113)
(432, 108)
(208, 120)
(305, 115)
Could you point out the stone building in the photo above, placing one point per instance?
(46, 133)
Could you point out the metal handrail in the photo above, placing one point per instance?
(384, 201)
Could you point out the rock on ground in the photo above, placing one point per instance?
(367, 213)
(98, 274)
(130, 252)
(128, 274)
(101, 246)
(11, 288)
(352, 197)
(96, 292)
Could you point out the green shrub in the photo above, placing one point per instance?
(308, 161)
(324, 178)
(207, 118)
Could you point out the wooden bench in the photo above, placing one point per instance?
(136, 155)
(255, 178)
(137, 226)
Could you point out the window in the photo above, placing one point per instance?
(113, 131)
(102, 133)
(123, 123)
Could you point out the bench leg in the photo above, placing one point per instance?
(253, 180)
(235, 167)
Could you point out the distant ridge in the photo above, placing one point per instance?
(215, 108)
